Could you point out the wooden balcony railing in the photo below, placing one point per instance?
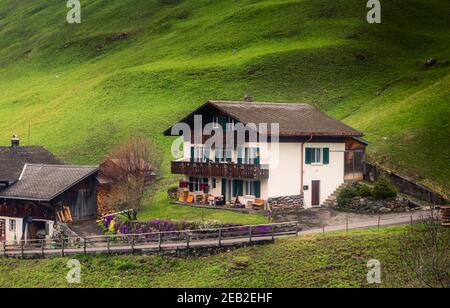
(225, 170)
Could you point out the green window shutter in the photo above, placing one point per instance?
(238, 188)
(207, 154)
(257, 156)
(308, 156)
(229, 154)
(223, 123)
(191, 184)
(257, 189)
(192, 153)
(216, 155)
(239, 155)
(326, 156)
(240, 185)
(224, 188)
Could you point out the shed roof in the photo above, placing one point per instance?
(46, 182)
(13, 159)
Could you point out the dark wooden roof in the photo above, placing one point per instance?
(13, 159)
(294, 119)
(46, 182)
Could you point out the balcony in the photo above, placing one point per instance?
(224, 170)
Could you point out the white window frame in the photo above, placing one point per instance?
(12, 225)
(317, 152)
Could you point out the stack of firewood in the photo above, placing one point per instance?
(64, 215)
(445, 216)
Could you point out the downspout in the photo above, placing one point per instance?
(303, 166)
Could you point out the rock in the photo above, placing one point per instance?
(430, 62)
(385, 210)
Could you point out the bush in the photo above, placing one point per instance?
(384, 189)
(364, 191)
(346, 195)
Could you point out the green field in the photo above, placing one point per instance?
(334, 260)
(84, 88)
(159, 207)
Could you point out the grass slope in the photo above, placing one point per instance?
(84, 88)
(335, 260)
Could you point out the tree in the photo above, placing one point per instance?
(425, 253)
(130, 170)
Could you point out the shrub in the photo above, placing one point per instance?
(346, 195)
(364, 191)
(384, 189)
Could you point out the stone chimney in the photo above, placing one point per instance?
(15, 141)
(248, 98)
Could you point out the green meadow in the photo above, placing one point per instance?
(135, 67)
(337, 260)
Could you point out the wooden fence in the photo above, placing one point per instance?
(155, 242)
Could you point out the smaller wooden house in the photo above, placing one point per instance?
(37, 190)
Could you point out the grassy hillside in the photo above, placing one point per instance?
(136, 66)
(336, 260)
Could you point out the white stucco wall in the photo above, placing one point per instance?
(10, 234)
(331, 176)
(285, 176)
(284, 173)
(17, 234)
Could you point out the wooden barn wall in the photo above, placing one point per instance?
(82, 199)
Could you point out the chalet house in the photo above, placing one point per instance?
(37, 190)
(315, 155)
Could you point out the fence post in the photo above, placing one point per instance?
(109, 245)
(250, 229)
(220, 237)
(159, 242)
(273, 233)
(412, 220)
(4, 249)
(84, 245)
(62, 247)
(379, 222)
(43, 248)
(296, 228)
(187, 239)
(21, 248)
(132, 244)
(346, 225)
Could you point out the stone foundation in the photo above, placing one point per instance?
(286, 202)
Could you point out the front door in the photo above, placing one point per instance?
(315, 191)
(2, 230)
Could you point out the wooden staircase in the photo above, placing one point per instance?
(332, 199)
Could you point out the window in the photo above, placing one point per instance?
(199, 153)
(316, 156)
(216, 123)
(198, 184)
(230, 124)
(252, 188)
(214, 183)
(12, 225)
(252, 156)
(224, 155)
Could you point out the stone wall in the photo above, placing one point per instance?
(286, 202)
(369, 205)
(404, 185)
